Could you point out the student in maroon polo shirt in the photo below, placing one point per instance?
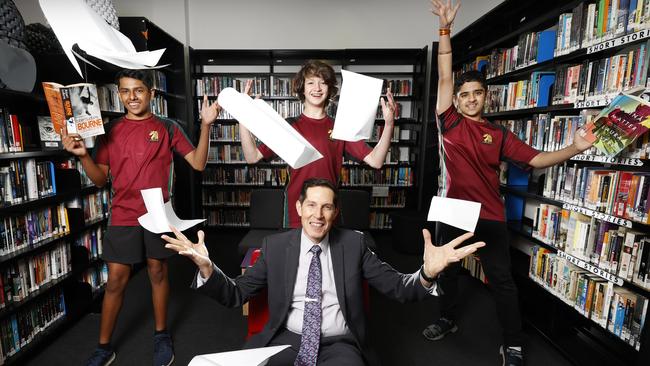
(137, 152)
(471, 150)
(316, 85)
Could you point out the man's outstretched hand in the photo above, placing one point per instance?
(436, 259)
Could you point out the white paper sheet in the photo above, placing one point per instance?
(267, 125)
(357, 107)
(247, 357)
(73, 21)
(458, 213)
(161, 215)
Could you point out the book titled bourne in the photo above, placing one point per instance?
(619, 124)
(75, 107)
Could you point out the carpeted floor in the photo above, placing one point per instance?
(199, 325)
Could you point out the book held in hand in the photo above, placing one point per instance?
(619, 124)
(75, 107)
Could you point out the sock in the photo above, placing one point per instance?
(104, 346)
(157, 332)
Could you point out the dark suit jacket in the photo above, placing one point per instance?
(277, 268)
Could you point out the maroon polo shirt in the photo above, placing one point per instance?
(139, 155)
(470, 156)
(317, 132)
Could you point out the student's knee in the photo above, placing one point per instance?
(157, 270)
(117, 281)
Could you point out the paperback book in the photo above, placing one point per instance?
(75, 107)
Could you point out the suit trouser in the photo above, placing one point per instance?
(333, 351)
(495, 260)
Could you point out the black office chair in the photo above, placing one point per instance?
(355, 213)
(266, 214)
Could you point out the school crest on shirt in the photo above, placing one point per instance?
(153, 136)
(487, 139)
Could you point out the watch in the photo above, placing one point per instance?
(424, 275)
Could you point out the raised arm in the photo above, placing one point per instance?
(377, 156)
(199, 156)
(251, 152)
(446, 15)
(546, 159)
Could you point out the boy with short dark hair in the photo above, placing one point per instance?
(137, 152)
(471, 151)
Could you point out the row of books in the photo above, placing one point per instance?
(26, 275)
(23, 180)
(226, 154)
(158, 106)
(237, 197)
(616, 309)
(592, 23)
(399, 87)
(19, 329)
(95, 276)
(472, 264)
(251, 175)
(545, 132)
(225, 217)
(399, 176)
(622, 194)
(20, 231)
(522, 94)
(379, 220)
(212, 85)
(159, 80)
(395, 198)
(612, 248)
(96, 206)
(93, 241)
(531, 48)
(108, 96)
(11, 133)
(602, 78)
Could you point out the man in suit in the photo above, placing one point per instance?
(314, 278)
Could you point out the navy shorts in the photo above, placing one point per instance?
(133, 244)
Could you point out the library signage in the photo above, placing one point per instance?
(609, 160)
(593, 103)
(591, 268)
(620, 41)
(598, 215)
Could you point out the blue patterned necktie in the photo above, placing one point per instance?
(311, 321)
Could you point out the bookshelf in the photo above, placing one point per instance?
(581, 281)
(51, 241)
(226, 183)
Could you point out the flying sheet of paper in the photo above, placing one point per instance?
(357, 107)
(246, 357)
(458, 213)
(161, 215)
(73, 21)
(267, 125)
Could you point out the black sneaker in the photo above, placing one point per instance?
(101, 357)
(513, 356)
(439, 329)
(163, 350)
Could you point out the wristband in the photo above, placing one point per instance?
(444, 31)
(424, 275)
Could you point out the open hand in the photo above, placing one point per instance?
(197, 252)
(209, 112)
(445, 12)
(388, 109)
(436, 259)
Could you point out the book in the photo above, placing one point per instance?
(50, 139)
(74, 107)
(619, 124)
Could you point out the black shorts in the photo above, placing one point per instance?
(133, 244)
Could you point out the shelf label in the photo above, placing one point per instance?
(608, 160)
(591, 268)
(593, 103)
(598, 215)
(620, 41)
(379, 191)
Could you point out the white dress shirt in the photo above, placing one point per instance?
(333, 322)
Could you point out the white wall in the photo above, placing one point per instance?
(268, 24)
